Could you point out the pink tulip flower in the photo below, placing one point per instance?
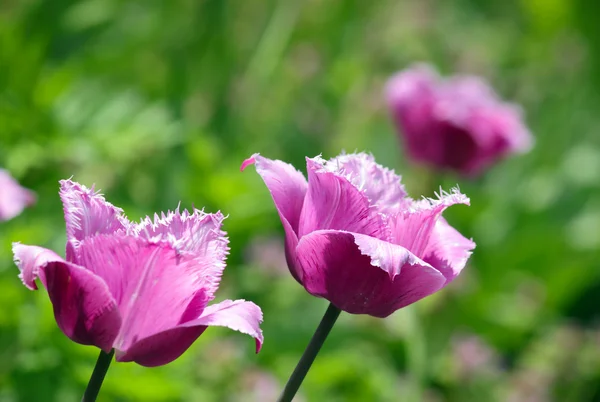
(140, 288)
(353, 237)
(13, 197)
(457, 124)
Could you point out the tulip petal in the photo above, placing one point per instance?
(382, 186)
(334, 202)
(448, 251)
(87, 214)
(336, 267)
(189, 232)
(83, 307)
(412, 228)
(288, 189)
(166, 346)
(148, 276)
(13, 197)
(239, 315)
(198, 234)
(385, 255)
(161, 348)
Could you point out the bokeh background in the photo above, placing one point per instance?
(160, 101)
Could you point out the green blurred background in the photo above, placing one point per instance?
(160, 101)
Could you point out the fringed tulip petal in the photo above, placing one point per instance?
(412, 228)
(448, 251)
(197, 234)
(87, 214)
(149, 276)
(189, 232)
(334, 202)
(168, 345)
(382, 186)
(339, 270)
(83, 305)
(385, 255)
(239, 315)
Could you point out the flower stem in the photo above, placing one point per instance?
(310, 354)
(93, 387)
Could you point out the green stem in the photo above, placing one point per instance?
(93, 387)
(310, 354)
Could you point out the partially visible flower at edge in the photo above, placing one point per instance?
(458, 123)
(13, 197)
(354, 237)
(140, 288)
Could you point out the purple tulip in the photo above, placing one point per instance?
(13, 197)
(458, 124)
(353, 237)
(140, 288)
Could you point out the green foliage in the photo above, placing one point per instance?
(158, 102)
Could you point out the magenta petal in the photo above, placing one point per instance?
(13, 197)
(335, 268)
(161, 348)
(448, 251)
(239, 315)
(153, 283)
(87, 214)
(387, 256)
(382, 186)
(334, 202)
(83, 306)
(197, 234)
(412, 228)
(166, 346)
(186, 232)
(288, 189)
